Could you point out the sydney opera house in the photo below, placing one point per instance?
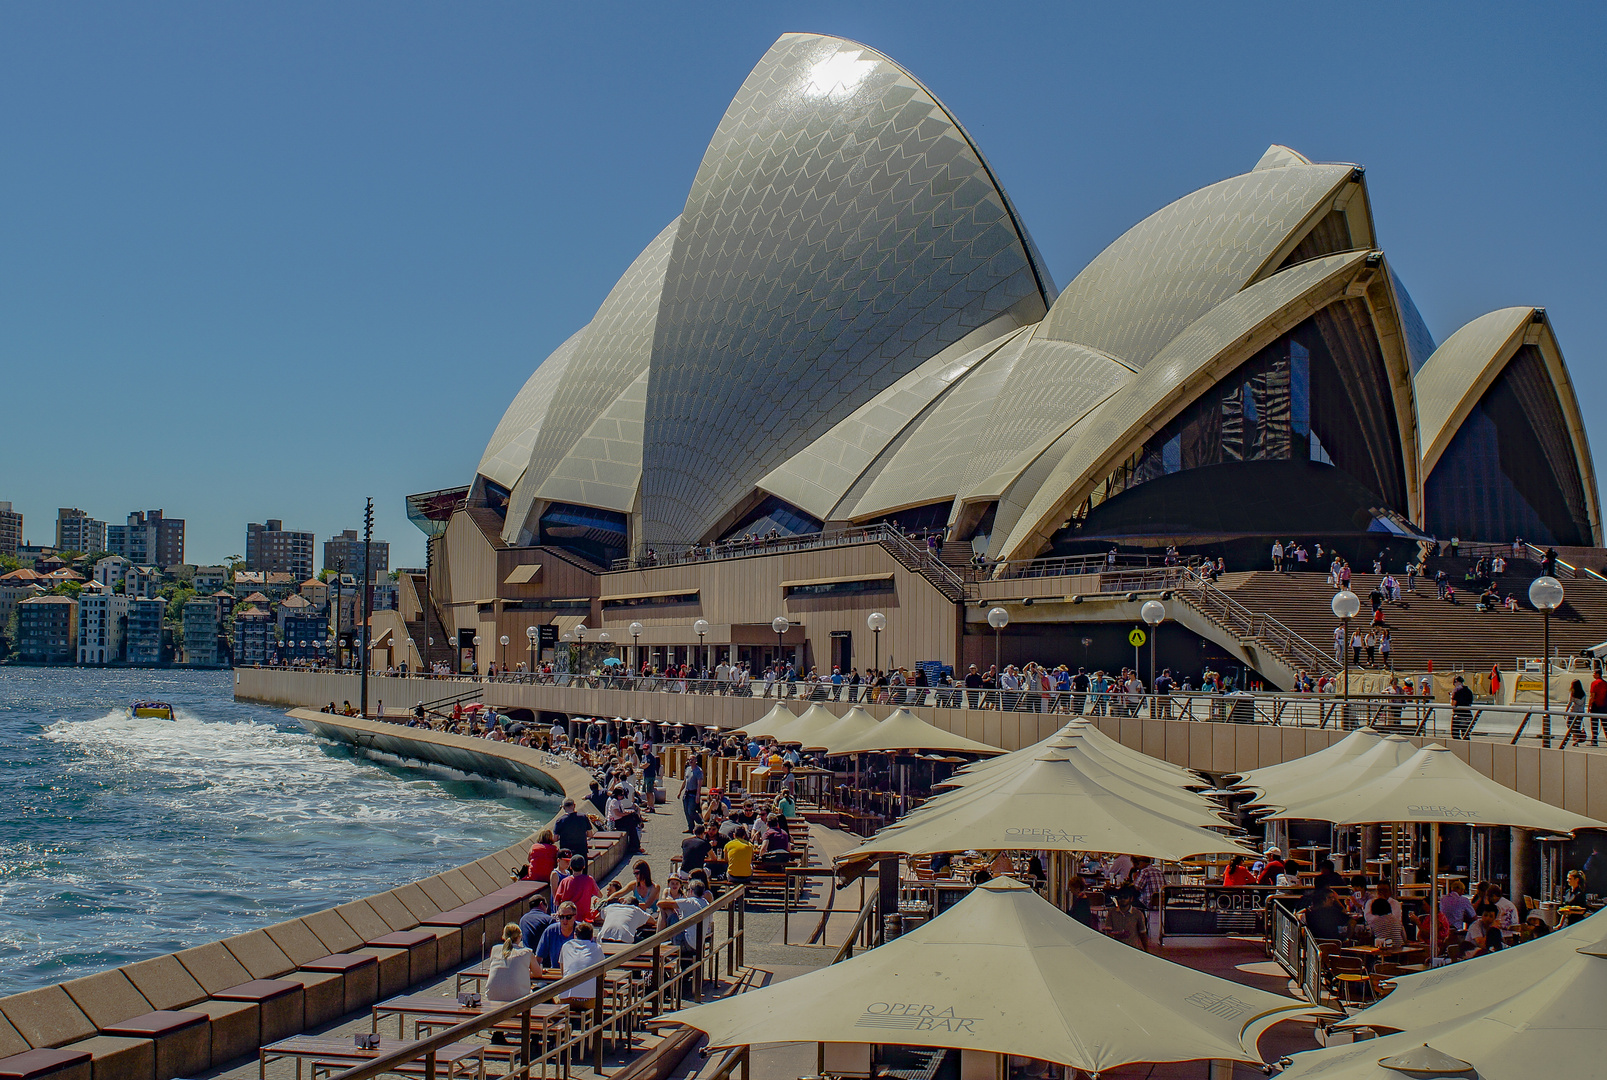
(849, 327)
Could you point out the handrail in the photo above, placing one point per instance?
(864, 928)
(1260, 626)
(427, 1046)
(467, 695)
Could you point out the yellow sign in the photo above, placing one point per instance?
(1136, 637)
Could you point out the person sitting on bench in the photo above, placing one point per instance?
(776, 850)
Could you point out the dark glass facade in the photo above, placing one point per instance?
(1510, 469)
(1315, 401)
(597, 535)
(778, 514)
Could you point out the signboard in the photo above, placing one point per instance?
(548, 636)
(1136, 637)
(1215, 910)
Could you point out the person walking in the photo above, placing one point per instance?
(1598, 706)
(691, 785)
(1384, 650)
(1277, 556)
(1462, 708)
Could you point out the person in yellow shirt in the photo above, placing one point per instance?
(739, 857)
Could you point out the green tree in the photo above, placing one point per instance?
(68, 588)
(9, 563)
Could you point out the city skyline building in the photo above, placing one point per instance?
(142, 643)
(148, 539)
(47, 629)
(10, 530)
(77, 531)
(271, 548)
(344, 553)
(202, 626)
(102, 624)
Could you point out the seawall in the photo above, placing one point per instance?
(189, 1011)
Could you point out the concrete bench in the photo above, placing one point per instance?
(279, 1008)
(46, 1064)
(183, 1040)
(359, 975)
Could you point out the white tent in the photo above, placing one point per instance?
(1004, 971)
(904, 731)
(767, 725)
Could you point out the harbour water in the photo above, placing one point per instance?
(122, 839)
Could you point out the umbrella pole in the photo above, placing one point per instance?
(1433, 892)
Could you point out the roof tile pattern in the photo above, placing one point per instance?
(508, 452)
(841, 230)
(616, 349)
(604, 467)
(1181, 261)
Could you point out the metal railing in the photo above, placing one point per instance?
(1236, 619)
(704, 966)
(866, 931)
(1066, 565)
(677, 554)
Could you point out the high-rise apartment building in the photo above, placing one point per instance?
(253, 636)
(271, 547)
(10, 530)
(142, 644)
(77, 531)
(47, 629)
(149, 539)
(102, 624)
(201, 626)
(345, 554)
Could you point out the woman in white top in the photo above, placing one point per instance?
(512, 968)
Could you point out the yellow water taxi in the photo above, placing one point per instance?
(159, 710)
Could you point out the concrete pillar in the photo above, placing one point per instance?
(1521, 854)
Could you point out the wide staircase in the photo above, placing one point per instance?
(1424, 628)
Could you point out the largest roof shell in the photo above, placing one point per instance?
(842, 230)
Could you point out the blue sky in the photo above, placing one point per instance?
(265, 260)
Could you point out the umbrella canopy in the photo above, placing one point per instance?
(1087, 742)
(1381, 756)
(1057, 802)
(1168, 798)
(856, 722)
(1572, 960)
(767, 725)
(904, 731)
(1091, 736)
(813, 720)
(1433, 785)
(1355, 744)
(1529, 1011)
(1004, 971)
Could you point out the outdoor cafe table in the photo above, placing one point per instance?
(434, 1011)
(324, 1049)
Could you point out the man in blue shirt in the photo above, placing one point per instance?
(549, 950)
(535, 923)
(836, 684)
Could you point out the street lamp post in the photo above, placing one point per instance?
(998, 618)
(580, 640)
(476, 656)
(532, 635)
(877, 623)
(1154, 613)
(636, 647)
(1345, 606)
(1546, 594)
(700, 628)
(780, 625)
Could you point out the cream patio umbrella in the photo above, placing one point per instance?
(1572, 960)
(1169, 798)
(904, 731)
(851, 725)
(810, 722)
(1355, 744)
(1337, 776)
(767, 725)
(1089, 734)
(1528, 1011)
(1003, 971)
(1431, 787)
(1057, 802)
